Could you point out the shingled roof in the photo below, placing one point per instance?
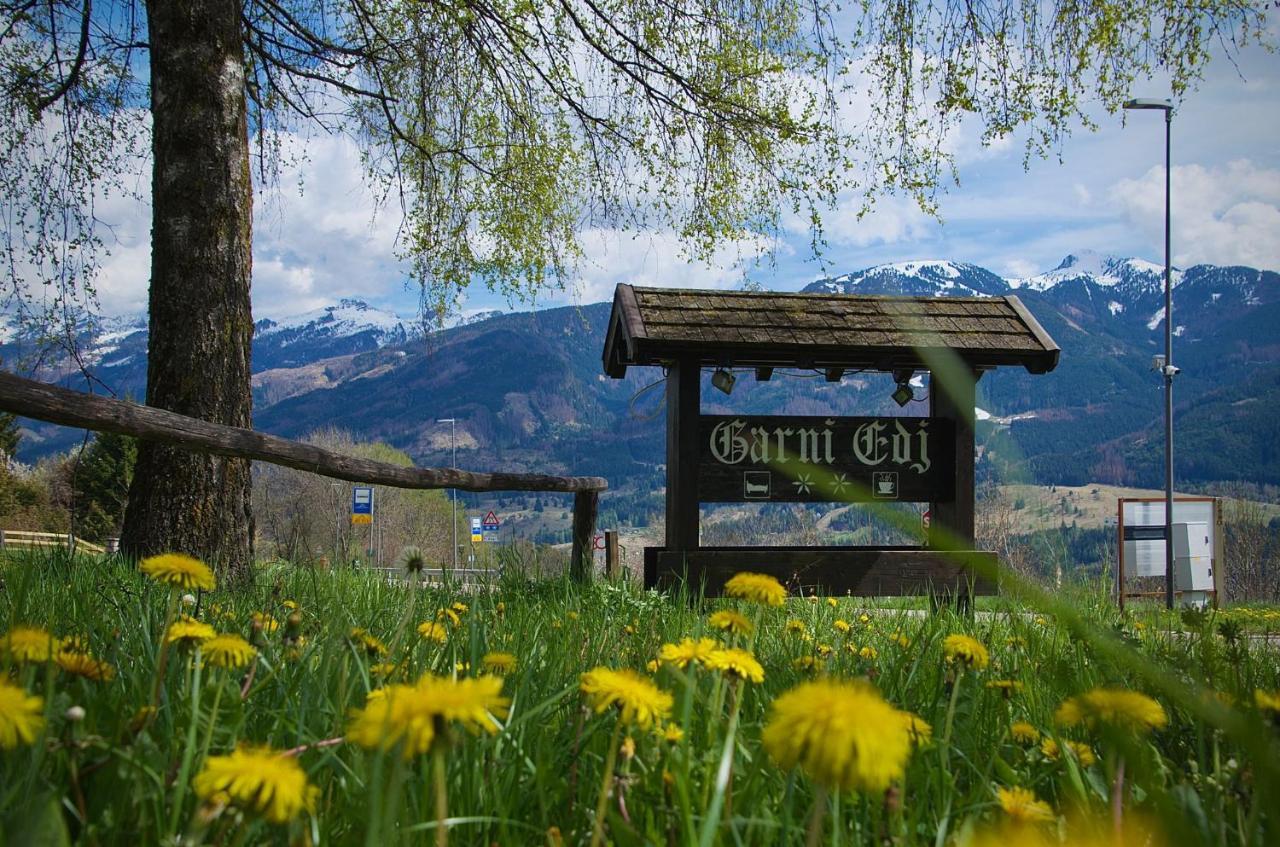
(651, 326)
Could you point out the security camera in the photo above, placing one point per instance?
(1171, 370)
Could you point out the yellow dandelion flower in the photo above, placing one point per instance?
(228, 651)
(842, 627)
(1041, 621)
(433, 631)
(1022, 806)
(265, 622)
(832, 602)
(573, 616)
(1007, 687)
(188, 630)
(756, 587)
(1113, 707)
(730, 621)
(408, 715)
(737, 663)
(1015, 641)
(460, 607)
(842, 734)
(498, 663)
(807, 663)
(383, 668)
(967, 650)
(79, 663)
(864, 618)
(454, 620)
(796, 627)
(290, 605)
(652, 666)
(688, 650)
(260, 781)
(640, 702)
(366, 641)
(825, 650)
(868, 652)
(29, 644)
(901, 640)
(917, 728)
(179, 571)
(1082, 752)
(1024, 733)
(1267, 701)
(21, 716)
(672, 734)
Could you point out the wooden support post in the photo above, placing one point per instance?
(952, 396)
(612, 565)
(684, 391)
(584, 530)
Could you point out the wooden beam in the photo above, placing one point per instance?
(860, 571)
(684, 401)
(73, 408)
(951, 524)
(585, 504)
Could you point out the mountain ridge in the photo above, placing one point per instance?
(527, 390)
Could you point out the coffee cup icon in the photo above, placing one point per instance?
(885, 485)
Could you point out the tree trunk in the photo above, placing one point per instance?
(201, 323)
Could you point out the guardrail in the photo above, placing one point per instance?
(67, 540)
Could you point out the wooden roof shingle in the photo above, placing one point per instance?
(652, 326)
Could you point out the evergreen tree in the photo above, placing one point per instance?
(9, 435)
(102, 479)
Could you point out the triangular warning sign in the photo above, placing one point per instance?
(491, 518)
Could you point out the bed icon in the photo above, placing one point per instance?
(757, 485)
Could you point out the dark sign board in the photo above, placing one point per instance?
(744, 458)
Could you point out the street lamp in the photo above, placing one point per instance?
(453, 440)
(1168, 368)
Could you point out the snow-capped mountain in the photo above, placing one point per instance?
(931, 278)
(1096, 417)
(349, 326)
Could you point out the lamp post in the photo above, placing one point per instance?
(1168, 370)
(453, 441)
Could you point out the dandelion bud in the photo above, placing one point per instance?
(188, 599)
(628, 748)
(292, 624)
(75, 714)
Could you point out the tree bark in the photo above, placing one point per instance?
(201, 323)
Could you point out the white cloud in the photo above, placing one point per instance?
(317, 236)
(655, 259)
(1221, 215)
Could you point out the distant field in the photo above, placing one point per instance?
(1093, 505)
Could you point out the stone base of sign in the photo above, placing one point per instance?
(856, 571)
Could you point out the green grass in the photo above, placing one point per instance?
(1210, 776)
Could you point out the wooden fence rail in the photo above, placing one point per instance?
(30, 538)
(74, 408)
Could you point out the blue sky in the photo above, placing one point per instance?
(325, 241)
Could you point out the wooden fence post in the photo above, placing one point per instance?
(584, 530)
(612, 567)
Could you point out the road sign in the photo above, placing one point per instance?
(361, 505)
(926, 519)
(476, 537)
(491, 521)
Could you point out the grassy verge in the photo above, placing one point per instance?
(106, 771)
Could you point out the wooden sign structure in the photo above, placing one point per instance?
(804, 459)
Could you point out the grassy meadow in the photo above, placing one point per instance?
(363, 712)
